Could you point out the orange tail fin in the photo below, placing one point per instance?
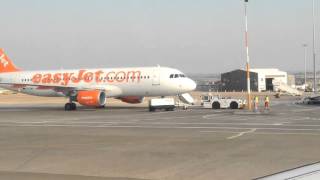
(6, 65)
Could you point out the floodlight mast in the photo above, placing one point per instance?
(247, 53)
(305, 64)
(315, 89)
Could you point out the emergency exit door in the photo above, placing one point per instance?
(156, 76)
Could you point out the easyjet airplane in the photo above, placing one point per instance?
(91, 87)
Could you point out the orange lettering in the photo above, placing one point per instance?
(97, 75)
(57, 78)
(120, 76)
(66, 78)
(77, 80)
(46, 79)
(134, 75)
(88, 77)
(36, 78)
(108, 76)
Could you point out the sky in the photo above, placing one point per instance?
(195, 36)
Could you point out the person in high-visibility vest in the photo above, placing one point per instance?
(256, 103)
(266, 102)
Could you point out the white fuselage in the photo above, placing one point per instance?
(117, 82)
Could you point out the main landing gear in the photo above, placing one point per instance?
(71, 106)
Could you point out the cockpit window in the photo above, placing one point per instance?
(177, 76)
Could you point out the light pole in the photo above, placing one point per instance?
(305, 64)
(315, 89)
(247, 53)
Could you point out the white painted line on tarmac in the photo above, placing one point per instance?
(151, 123)
(150, 127)
(15, 110)
(210, 116)
(241, 134)
(219, 131)
(232, 117)
(265, 133)
(166, 118)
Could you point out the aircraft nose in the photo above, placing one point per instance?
(191, 85)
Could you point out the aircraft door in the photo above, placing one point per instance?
(156, 76)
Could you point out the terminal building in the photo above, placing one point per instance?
(261, 80)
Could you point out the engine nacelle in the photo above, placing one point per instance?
(132, 99)
(92, 98)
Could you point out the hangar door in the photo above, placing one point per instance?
(269, 84)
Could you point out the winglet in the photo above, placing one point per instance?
(6, 65)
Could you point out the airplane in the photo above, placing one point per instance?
(305, 172)
(91, 87)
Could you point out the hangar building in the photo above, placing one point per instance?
(237, 80)
(261, 80)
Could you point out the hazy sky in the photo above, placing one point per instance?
(191, 35)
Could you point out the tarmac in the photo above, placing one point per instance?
(40, 141)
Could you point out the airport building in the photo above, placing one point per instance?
(261, 80)
(270, 79)
(237, 81)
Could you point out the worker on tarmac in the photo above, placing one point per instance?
(266, 102)
(256, 103)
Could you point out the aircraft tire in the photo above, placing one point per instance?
(70, 106)
(73, 106)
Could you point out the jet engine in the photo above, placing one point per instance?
(93, 98)
(132, 99)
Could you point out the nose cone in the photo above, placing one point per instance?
(191, 85)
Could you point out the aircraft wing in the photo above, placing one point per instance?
(111, 90)
(306, 172)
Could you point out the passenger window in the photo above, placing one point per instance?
(171, 76)
(176, 75)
